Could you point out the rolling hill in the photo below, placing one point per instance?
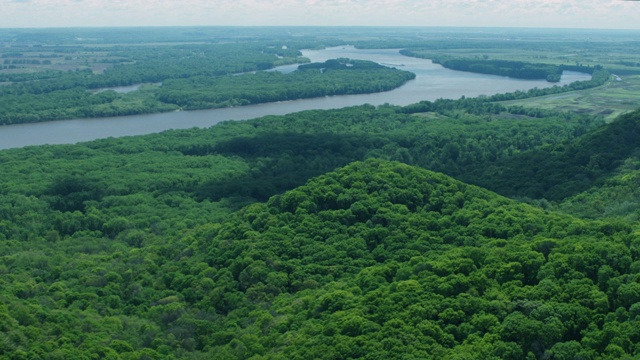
(375, 260)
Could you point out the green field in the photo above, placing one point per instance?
(618, 96)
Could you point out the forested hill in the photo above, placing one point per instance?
(377, 260)
(557, 171)
(380, 260)
(129, 247)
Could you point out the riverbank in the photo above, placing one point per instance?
(432, 82)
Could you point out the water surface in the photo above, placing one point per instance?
(432, 82)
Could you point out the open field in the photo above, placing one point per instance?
(620, 95)
(30, 59)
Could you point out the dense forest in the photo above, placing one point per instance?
(134, 247)
(55, 94)
(148, 64)
(514, 69)
(334, 77)
(67, 97)
(202, 92)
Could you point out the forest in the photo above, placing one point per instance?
(54, 94)
(242, 241)
(188, 80)
(334, 77)
(449, 229)
(199, 92)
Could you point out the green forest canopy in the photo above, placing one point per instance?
(132, 247)
(197, 91)
(375, 260)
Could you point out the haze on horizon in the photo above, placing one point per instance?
(595, 14)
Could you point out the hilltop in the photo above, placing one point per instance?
(375, 260)
(384, 260)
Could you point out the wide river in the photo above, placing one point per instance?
(432, 82)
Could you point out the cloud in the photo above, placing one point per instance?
(532, 13)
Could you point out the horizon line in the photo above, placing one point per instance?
(318, 26)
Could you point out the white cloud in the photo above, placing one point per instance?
(547, 13)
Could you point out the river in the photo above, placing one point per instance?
(432, 82)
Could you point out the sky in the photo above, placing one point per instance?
(598, 14)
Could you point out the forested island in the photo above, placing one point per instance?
(67, 97)
(465, 228)
(515, 69)
(334, 77)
